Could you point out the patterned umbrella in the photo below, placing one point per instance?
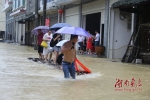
(44, 29)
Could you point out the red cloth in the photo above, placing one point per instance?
(40, 38)
(89, 43)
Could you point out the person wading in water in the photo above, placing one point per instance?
(69, 51)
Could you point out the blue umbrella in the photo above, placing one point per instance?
(74, 31)
(59, 25)
(44, 29)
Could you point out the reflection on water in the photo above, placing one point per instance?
(23, 79)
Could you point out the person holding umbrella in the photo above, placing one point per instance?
(39, 40)
(40, 31)
(69, 51)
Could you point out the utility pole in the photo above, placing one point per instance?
(44, 12)
(36, 22)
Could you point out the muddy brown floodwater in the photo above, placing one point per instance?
(23, 79)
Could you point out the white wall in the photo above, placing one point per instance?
(119, 35)
(72, 18)
(23, 31)
(111, 2)
(20, 29)
(53, 18)
(2, 17)
(94, 7)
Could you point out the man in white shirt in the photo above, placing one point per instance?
(47, 37)
(81, 42)
(97, 38)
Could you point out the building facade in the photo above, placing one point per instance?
(3, 16)
(98, 15)
(119, 32)
(136, 13)
(9, 29)
(91, 15)
(18, 12)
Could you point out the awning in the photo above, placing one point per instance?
(64, 2)
(27, 18)
(17, 12)
(128, 3)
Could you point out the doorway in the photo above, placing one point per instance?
(93, 22)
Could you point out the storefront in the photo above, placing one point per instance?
(89, 15)
(139, 41)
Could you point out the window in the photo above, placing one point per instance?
(19, 3)
(6, 1)
(16, 4)
(47, 1)
(23, 2)
(13, 4)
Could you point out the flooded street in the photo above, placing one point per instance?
(23, 79)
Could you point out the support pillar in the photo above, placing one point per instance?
(44, 12)
(36, 22)
(80, 15)
(106, 24)
(132, 25)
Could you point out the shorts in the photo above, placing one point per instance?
(47, 50)
(96, 43)
(81, 45)
(40, 49)
(51, 50)
(56, 48)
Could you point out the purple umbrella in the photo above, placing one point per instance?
(59, 25)
(44, 29)
(74, 31)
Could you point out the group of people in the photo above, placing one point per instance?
(68, 49)
(51, 41)
(88, 43)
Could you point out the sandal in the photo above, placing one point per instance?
(53, 64)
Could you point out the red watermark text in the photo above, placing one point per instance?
(128, 85)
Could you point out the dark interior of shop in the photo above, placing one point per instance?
(93, 22)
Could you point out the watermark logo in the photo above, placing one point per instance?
(128, 85)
